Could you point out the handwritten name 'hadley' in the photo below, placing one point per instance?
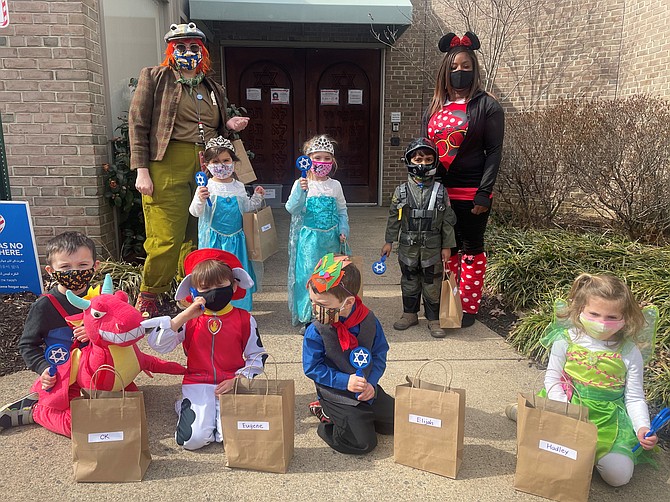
(558, 449)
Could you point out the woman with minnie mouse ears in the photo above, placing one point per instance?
(467, 126)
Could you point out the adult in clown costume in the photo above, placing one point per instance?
(467, 126)
(175, 110)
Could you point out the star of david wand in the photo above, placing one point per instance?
(194, 293)
(201, 180)
(304, 164)
(379, 267)
(56, 355)
(657, 424)
(360, 358)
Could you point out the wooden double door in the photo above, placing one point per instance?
(293, 94)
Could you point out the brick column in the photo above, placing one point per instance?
(53, 113)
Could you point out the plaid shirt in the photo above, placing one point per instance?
(153, 110)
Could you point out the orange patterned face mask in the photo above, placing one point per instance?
(74, 280)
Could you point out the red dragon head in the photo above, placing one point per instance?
(108, 318)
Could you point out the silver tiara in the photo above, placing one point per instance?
(320, 144)
(220, 142)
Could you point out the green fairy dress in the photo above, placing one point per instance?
(599, 378)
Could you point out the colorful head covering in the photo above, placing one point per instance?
(244, 280)
(320, 144)
(328, 272)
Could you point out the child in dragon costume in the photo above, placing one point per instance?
(113, 328)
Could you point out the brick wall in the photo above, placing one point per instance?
(645, 54)
(52, 106)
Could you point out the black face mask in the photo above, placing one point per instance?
(461, 79)
(217, 298)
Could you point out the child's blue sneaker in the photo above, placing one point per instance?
(19, 412)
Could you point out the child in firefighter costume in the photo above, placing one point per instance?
(422, 221)
(220, 342)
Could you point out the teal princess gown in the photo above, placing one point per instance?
(318, 217)
(221, 227)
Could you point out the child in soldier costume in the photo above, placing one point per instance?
(422, 221)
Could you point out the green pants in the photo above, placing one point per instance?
(172, 232)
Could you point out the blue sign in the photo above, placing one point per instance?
(19, 263)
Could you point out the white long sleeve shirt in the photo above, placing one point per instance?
(233, 189)
(636, 406)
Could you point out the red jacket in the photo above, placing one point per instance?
(214, 346)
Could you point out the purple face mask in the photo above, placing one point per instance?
(221, 171)
(322, 168)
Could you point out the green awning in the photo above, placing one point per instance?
(377, 12)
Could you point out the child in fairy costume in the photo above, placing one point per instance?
(599, 343)
(220, 224)
(319, 223)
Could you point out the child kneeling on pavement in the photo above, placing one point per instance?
(220, 342)
(352, 409)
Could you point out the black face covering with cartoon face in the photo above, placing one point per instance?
(216, 299)
(74, 280)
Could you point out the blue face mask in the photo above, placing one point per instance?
(188, 60)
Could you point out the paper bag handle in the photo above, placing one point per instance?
(447, 375)
(255, 358)
(94, 380)
(567, 403)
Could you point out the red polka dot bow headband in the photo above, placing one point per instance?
(450, 41)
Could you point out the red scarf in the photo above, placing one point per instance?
(346, 338)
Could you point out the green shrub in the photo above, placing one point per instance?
(529, 269)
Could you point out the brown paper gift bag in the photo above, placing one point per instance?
(429, 425)
(243, 169)
(451, 311)
(261, 234)
(556, 449)
(258, 418)
(110, 442)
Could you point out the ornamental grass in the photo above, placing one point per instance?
(529, 269)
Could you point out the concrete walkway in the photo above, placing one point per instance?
(35, 463)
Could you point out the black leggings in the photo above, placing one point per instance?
(469, 228)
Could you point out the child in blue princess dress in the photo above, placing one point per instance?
(319, 223)
(220, 225)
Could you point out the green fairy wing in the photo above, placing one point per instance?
(559, 325)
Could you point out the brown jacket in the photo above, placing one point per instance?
(153, 110)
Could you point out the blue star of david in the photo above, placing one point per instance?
(58, 355)
(361, 358)
(304, 163)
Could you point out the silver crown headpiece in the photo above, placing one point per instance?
(320, 144)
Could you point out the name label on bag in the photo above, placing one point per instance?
(418, 419)
(259, 426)
(105, 437)
(267, 227)
(558, 449)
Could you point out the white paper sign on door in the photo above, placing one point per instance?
(355, 96)
(279, 96)
(253, 94)
(330, 96)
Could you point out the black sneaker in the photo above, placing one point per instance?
(316, 409)
(468, 320)
(19, 412)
